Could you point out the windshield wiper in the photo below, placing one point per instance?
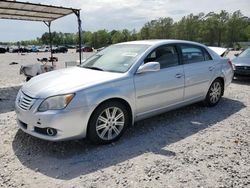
(94, 68)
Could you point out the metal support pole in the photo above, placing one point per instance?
(50, 41)
(77, 13)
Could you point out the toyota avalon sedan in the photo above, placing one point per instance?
(119, 85)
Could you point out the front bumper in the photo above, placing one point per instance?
(69, 123)
(242, 71)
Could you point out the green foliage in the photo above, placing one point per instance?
(215, 29)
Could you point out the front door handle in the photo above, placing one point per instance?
(211, 68)
(178, 75)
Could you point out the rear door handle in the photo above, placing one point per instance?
(178, 75)
(211, 68)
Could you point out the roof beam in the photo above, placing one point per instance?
(34, 4)
(27, 10)
(30, 16)
(23, 18)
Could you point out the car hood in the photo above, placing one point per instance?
(66, 81)
(241, 61)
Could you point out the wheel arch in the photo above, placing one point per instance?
(221, 79)
(117, 99)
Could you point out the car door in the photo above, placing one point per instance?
(156, 90)
(199, 70)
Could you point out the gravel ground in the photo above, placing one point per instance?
(193, 146)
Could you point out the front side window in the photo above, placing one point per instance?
(192, 54)
(116, 58)
(167, 56)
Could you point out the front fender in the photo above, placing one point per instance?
(118, 90)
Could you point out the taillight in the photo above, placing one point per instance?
(230, 63)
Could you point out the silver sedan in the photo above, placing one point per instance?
(119, 85)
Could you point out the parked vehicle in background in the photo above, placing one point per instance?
(44, 49)
(21, 50)
(85, 49)
(220, 51)
(2, 50)
(34, 49)
(119, 85)
(60, 49)
(241, 63)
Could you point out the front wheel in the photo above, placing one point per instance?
(214, 93)
(108, 122)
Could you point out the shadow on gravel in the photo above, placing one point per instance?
(68, 160)
(242, 80)
(7, 98)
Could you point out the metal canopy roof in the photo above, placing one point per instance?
(32, 12)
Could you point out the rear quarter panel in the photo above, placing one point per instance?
(223, 68)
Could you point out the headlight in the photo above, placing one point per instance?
(56, 102)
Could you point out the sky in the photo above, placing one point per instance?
(115, 14)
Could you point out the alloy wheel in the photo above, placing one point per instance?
(110, 123)
(215, 92)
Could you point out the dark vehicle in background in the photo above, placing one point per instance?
(85, 49)
(241, 63)
(21, 50)
(60, 49)
(2, 50)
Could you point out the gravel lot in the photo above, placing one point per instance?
(193, 146)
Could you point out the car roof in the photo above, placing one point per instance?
(161, 42)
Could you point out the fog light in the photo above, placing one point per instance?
(51, 131)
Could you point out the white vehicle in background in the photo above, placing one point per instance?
(119, 85)
(220, 51)
(44, 49)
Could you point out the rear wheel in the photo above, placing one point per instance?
(214, 93)
(108, 123)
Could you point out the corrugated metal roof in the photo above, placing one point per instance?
(31, 11)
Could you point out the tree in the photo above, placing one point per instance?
(215, 29)
(118, 37)
(236, 27)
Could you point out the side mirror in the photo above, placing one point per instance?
(236, 55)
(149, 67)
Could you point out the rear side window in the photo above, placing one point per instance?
(167, 56)
(192, 54)
(207, 55)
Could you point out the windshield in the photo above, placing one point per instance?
(116, 58)
(245, 53)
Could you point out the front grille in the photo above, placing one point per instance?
(25, 102)
(242, 67)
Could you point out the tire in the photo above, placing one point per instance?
(214, 93)
(108, 122)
